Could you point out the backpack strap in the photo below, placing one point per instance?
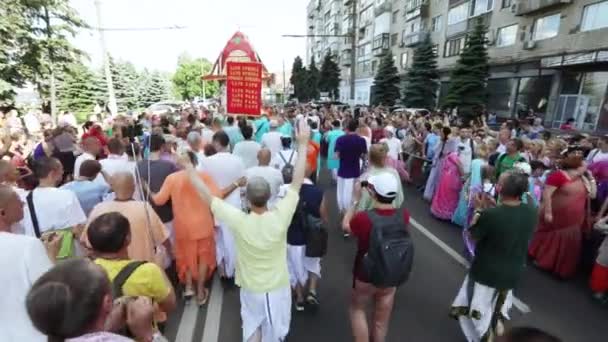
(122, 277)
(30, 205)
(290, 157)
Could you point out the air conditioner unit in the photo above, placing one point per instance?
(515, 7)
(529, 45)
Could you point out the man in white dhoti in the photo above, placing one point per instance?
(261, 269)
(501, 236)
(225, 169)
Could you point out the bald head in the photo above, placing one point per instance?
(123, 185)
(8, 172)
(258, 192)
(264, 156)
(11, 207)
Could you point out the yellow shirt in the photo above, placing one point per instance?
(148, 279)
(261, 242)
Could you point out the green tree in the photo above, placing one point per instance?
(79, 89)
(422, 82)
(386, 82)
(298, 79)
(312, 81)
(35, 42)
(187, 80)
(124, 78)
(329, 80)
(468, 79)
(159, 89)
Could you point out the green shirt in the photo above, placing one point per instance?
(261, 242)
(366, 202)
(505, 162)
(502, 235)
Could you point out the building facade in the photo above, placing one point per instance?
(549, 56)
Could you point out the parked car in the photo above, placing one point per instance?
(164, 108)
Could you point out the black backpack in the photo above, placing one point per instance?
(388, 261)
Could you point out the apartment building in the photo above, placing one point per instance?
(550, 56)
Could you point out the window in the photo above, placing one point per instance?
(394, 39)
(436, 24)
(374, 65)
(395, 16)
(454, 46)
(595, 16)
(481, 7)
(436, 49)
(546, 27)
(458, 14)
(506, 36)
(506, 3)
(404, 60)
(499, 95)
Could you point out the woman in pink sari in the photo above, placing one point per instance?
(556, 244)
(447, 194)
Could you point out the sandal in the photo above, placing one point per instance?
(202, 301)
(188, 293)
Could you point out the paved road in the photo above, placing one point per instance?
(421, 306)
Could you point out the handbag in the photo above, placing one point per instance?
(315, 233)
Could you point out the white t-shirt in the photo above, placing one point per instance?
(23, 259)
(394, 147)
(207, 135)
(225, 169)
(273, 176)
(248, 152)
(596, 155)
(55, 209)
(81, 159)
(465, 154)
(272, 141)
(278, 163)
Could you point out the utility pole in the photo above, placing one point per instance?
(284, 84)
(106, 62)
(353, 53)
(52, 85)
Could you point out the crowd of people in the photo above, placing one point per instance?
(130, 213)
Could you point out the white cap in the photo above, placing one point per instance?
(390, 128)
(385, 184)
(274, 123)
(523, 167)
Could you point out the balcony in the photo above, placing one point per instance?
(527, 7)
(415, 9)
(383, 7)
(381, 44)
(414, 39)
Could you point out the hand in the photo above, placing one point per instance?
(139, 318)
(478, 201)
(242, 181)
(52, 243)
(302, 133)
(548, 217)
(117, 318)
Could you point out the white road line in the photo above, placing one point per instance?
(521, 306)
(211, 331)
(185, 331)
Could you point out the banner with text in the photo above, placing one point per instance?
(244, 88)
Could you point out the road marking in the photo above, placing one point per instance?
(211, 331)
(521, 306)
(185, 332)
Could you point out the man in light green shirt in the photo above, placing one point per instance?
(261, 243)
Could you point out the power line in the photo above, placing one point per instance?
(162, 28)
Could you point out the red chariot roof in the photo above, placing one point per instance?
(238, 49)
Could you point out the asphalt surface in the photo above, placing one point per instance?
(563, 308)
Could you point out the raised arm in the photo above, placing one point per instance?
(302, 137)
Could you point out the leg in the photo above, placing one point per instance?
(202, 293)
(257, 336)
(382, 313)
(340, 194)
(360, 297)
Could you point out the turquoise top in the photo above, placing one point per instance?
(286, 129)
(333, 135)
(262, 126)
(316, 137)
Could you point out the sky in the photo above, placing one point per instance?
(209, 25)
